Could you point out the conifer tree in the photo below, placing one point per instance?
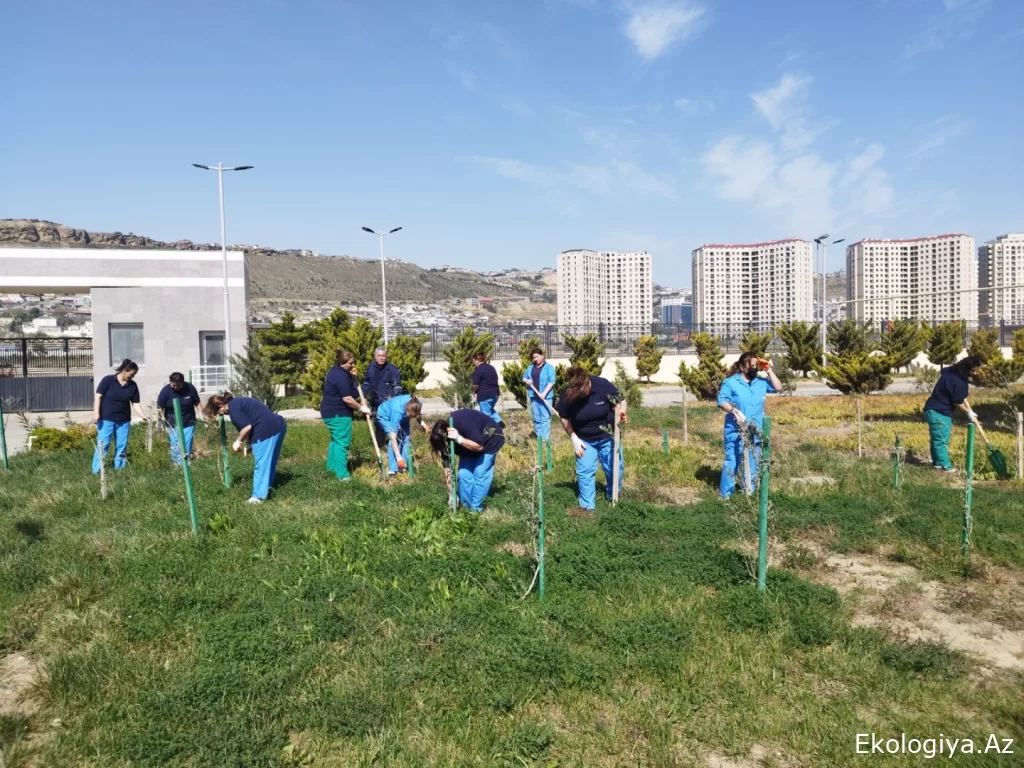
(705, 379)
(803, 345)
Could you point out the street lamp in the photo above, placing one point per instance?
(383, 285)
(219, 168)
(820, 240)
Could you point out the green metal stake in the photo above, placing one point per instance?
(762, 511)
(540, 519)
(896, 457)
(408, 457)
(453, 494)
(224, 447)
(186, 468)
(3, 438)
(966, 543)
(551, 459)
(664, 440)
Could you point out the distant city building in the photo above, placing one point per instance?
(676, 312)
(1001, 263)
(605, 287)
(925, 278)
(480, 301)
(758, 285)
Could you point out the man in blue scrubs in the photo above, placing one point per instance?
(188, 398)
(742, 397)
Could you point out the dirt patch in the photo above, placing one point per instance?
(893, 597)
(758, 756)
(813, 480)
(514, 548)
(680, 497)
(580, 512)
(18, 674)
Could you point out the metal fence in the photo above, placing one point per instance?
(24, 357)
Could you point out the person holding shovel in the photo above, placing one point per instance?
(587, 407)
(477, 442)
(741, 396)
(188, 398)
(949, 394)
(393, 417)
(258, 427)
(340, 401)
(540, 384)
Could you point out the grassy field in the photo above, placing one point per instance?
(360, 625)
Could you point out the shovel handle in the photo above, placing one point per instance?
(978, 425)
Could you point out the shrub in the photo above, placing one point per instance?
(406, 354)
(849, 337)
(52, 440)
(985, 344)
(706, 378)
(753, 341)
(1000, 372)
(251, 375)
(803, 345)
(902, 340)
(332, 334)
(628, 387)
(285, 347)
(925, 377)
(459, 389)
(857, 372)
(586, 353)
(648, 356)
(787, 377)
(945, 342)
(512, 373)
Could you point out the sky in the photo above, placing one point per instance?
(498, 134)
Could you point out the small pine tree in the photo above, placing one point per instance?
(328, 328)
(406, 354)
(945, 342)
(753, 341)
(803, 346)
(361, 338)
(628, 388)
(460, 365)
(985, 344)
(1002, 372)
(858, 372)
(285, 348)
(648, 357)
(586, 352)
(848, 337)
(705, 379)
(784, 373)
(251, 376)
(901, 342)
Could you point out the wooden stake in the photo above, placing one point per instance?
(149, 435)
(373, 434)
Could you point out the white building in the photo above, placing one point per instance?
(926, 278)
(605, 287)
(1001, 262)
(760, 285)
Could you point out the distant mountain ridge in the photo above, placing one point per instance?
(292, 274)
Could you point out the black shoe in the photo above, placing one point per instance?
(501, 424)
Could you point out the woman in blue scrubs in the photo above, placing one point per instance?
(587, 408)
(540, 384)
(393, 416)
(261, 428)
(116, 397)
(188, 398)
(477, 442)
(742, 397)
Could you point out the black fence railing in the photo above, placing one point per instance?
(28, 357)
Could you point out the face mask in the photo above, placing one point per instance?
(750, 374)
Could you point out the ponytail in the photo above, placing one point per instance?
(127, 366)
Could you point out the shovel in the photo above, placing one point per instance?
(995, 457)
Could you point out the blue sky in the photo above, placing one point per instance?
(499, 133)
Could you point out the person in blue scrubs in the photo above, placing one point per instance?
(742, 397)
(258, 426)
(188, 398)
(393, 416)
(485, 387)
(116, 397)
(540, 384)
(587, 407)
(477, 442)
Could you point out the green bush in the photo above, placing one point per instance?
(628, 387)
(52, 440)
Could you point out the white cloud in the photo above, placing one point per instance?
(693, 106)
(592, 178)
(957, 19)
(601, 180)
(785, 108)
(942, 131)
(517, 169)
(639, 180)
(653, 28)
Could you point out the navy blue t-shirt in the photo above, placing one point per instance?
(244, 411)
(486, 380)
(950, 390)
(187, 397)
(116, 405)
(535, 375)
(338, 385)
(480, 428)
(592, 417)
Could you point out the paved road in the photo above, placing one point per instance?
(656, 397)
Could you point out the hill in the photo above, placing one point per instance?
(287, 274)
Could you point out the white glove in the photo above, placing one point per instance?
(453, 434)
(972, 416)
(740, 418)
(577, 445)
(365, 409)
(237, 445)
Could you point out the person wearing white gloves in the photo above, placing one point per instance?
(340, 401)
(477, 442)
(587, 408)
(949, 394)
(742, 397)
(259, 428)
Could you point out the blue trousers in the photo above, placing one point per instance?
(105, 431)
(265, 454)
(490, 407)
(476, 473)
(598, 451)
(172, 435)
(541, 419)
(732, 467)
(402, 436)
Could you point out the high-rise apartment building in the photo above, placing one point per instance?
(1001, 263)
(925, 278)
(677, 311)
(605, 287)
(758, 285)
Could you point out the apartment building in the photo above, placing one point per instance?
(1001, 263)
(758, 285)
(605, 287)
(925, 278)
(677, 311)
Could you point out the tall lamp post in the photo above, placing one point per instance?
(219, 168)
(383, 283)
(821, 243)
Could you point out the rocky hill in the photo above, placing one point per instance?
(288, 274)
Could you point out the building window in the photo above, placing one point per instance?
(126, 342)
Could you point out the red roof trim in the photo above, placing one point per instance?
(754, 245)
(908, 240)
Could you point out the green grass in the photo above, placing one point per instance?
(360, 625)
